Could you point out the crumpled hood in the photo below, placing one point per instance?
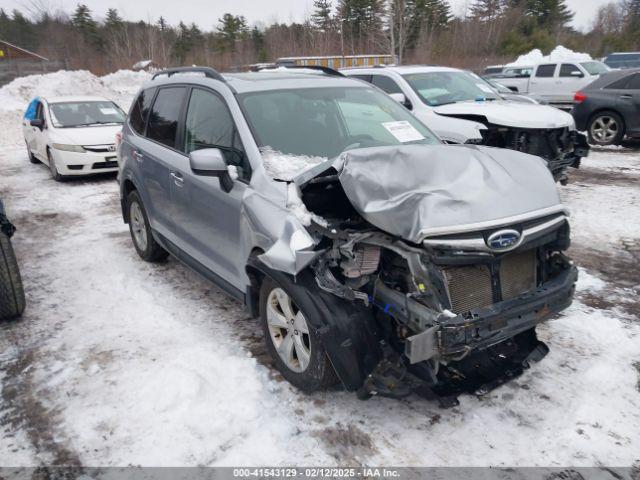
(510, 114)
(97, 135)
(415, 191)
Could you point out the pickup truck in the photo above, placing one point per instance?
(556, 82)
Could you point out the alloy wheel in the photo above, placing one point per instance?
(288, 331)
(138, 226)
(604, 129)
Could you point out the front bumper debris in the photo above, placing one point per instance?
(456, 337)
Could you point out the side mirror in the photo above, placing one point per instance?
(37, 122)
(402, 100)
(576, 73)
(210, 162)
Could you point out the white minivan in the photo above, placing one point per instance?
(73, 135)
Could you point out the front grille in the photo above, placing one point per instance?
(517, 273)
(101, 165)
(471, 286)
(99, 148)
(468, 287)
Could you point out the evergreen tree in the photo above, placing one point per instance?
(86, 25)
(162, 24)
(113, 21)
(322, 15)
(549, 14)
(487, 10)
(231, 28)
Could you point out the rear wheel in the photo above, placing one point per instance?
(606, 128)
(12, 300)
(291, 340)
(143, 241)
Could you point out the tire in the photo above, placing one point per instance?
(32, 157)
(12, 301)
(606, 128)
(308, 368)
(52, 168)
(140, 230)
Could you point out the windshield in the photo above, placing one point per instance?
(440, 88)
(321, 123)
(595, 68)
(83, 114)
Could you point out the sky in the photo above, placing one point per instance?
(205, 13)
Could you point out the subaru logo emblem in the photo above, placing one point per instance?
(503, 240)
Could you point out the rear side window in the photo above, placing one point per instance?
(140, 111)
(634, 82)
(545, 71)
(165, 115)
(619, 84)
(386, 84)
(570, 70)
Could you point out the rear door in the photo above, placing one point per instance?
(206, 218)
(543, 81)
(156, 155)
(629, 104)
(40, 139)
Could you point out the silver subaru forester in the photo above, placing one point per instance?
(373, 254)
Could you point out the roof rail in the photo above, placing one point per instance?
(208, 72)
(325, 70)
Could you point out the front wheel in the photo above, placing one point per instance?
(32, 157)
(291, 340)
(52, 167)
(606, 128)
(12, 300)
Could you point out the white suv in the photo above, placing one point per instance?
(73, 135)
(462, 108)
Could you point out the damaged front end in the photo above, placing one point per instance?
(456, 282)
(560, 147)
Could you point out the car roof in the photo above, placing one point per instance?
(261, 81)
(401, 69)
(74, 98)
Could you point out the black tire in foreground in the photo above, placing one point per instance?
(288, 314)
(12, 300)
(141, 234)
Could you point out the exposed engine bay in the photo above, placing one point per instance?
(560, 147)
(455, 303)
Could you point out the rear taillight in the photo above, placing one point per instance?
(118, 139)
(579, 97)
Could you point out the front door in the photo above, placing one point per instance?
(206, 218)
(543, 82)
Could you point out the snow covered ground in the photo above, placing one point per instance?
(118, 362)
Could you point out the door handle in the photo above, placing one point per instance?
(178, 180)
(138, 156)
(626, 96)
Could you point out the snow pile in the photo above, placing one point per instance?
(283, 166)
(125, 82)
(558, 54)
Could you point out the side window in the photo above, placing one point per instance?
(40, 111)
(634, 82)
(165, 115)
(545, 71)
(386, 84)
(620, 84)
(210, 125)
(366, 78)
(140, 111)
(570, 70)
